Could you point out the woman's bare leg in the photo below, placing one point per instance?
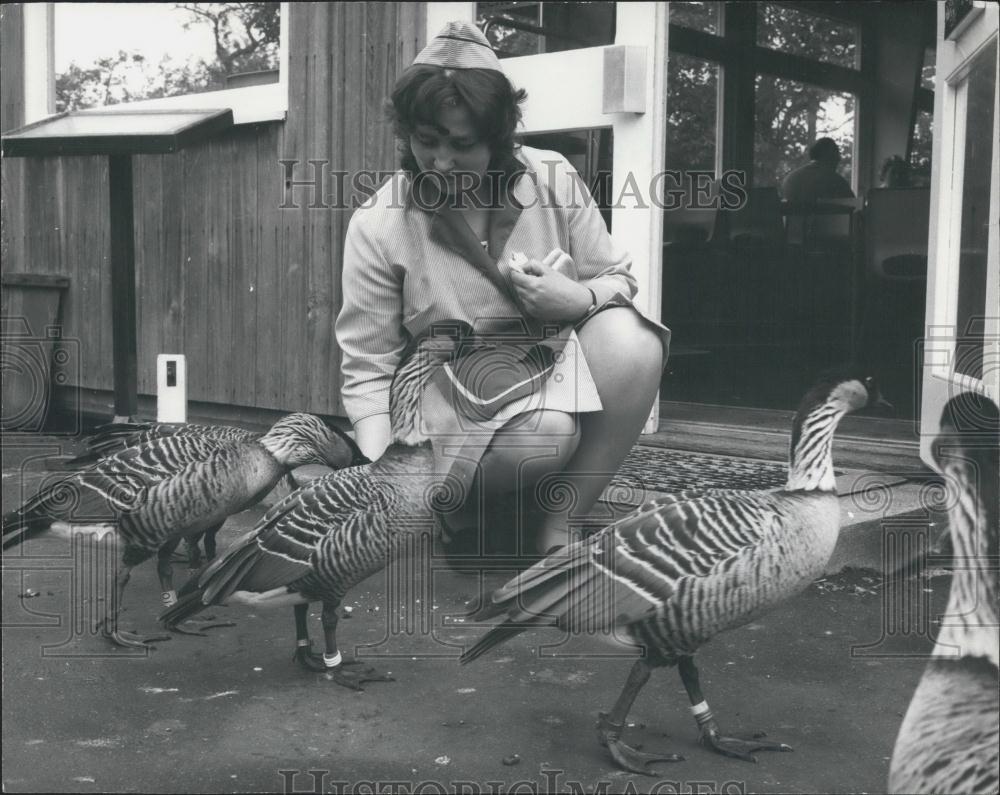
(625, 357)
(561, 463)
(519, 455)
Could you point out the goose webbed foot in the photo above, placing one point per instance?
(305, 657)
(626, 757)
(127, 640)
(352, 673)
(201, 626)
(739, 748)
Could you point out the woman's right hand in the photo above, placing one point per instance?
(546, 292)
(373, 435)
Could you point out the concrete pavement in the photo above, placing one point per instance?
(232, 713)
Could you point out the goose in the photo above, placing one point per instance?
(684, 567)
(337, 530)
(112, 438)
(151, 495)
(948, 741)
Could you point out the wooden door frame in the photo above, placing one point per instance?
(940, 381)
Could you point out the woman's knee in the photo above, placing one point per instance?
(621, 339)
(542, 440)
(556, 426)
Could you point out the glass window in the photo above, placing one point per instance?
(699, 16)
(692, 113)
(522, 28)
(508, 40)
(976, 196)
(789, 117)
(809, 35)
(590, 153)
(927, 69)
(109, 53)
(921, 144)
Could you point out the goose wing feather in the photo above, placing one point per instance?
(113, 484)
(162, 488)
(629, 571)
(113, 437)
(319, 529)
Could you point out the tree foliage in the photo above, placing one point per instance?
(789, 114)
(692, 90)
(246, 37)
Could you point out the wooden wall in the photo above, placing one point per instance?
(11, 111)
(248, 291)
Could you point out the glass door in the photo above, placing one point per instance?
(962, 347)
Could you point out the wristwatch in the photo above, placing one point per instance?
(593, 303)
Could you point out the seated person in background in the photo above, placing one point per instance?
(896, 173)
(817, 179)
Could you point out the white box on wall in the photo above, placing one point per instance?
(624, 79)
(171, 388)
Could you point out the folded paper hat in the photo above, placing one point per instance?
(460, 45)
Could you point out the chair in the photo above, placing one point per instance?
(690, 264)
(757, 223)
(689, 227)
(896, 225)
(821, 225)
(822, 241)
(751, 240)
(692, 268)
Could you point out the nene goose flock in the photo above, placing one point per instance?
(678, 570)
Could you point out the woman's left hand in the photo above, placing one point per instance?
(546, 293)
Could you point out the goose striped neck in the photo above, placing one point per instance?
(971, 627)
(811, 460)
(419, 362)
(302, 438)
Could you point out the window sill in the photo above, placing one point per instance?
(250, 105)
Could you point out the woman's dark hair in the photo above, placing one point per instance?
(424, 90)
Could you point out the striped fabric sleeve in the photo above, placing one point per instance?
(602, 264)
(369, 327)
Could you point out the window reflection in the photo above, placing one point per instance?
(790, 116)
(524, 28)
(809, 35)
(698, 16)
(692, 113)
(927, 68)
(920, 148)
(590, 153)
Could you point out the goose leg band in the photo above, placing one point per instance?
(303, 642)
(332, 660)
(169, 598)
(701, 712)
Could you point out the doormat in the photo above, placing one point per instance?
(660, 469)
